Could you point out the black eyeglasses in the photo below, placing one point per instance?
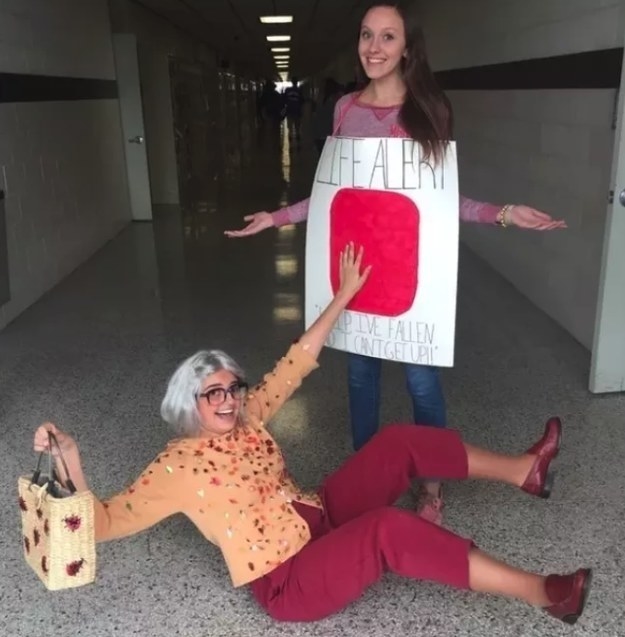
(217, 395)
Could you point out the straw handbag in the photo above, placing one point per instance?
(57, 527)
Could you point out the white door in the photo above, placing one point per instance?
(133, 130)
(607, 371)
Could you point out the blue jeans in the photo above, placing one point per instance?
(424, 387)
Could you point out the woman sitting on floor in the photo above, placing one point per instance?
(308, 555)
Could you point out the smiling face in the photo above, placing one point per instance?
(382, 42)
(219, 403)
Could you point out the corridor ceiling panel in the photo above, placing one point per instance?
(320, 30)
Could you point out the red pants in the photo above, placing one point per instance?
(360, 535)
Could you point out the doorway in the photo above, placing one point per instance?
(4, 255)
(133, 128)
(607, 370)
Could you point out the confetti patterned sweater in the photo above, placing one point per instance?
(353, 119)
(234, 488)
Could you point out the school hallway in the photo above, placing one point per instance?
(94, 356)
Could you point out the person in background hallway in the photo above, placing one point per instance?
(308, 555)
(272, 103)
(323, 118)
(260, 116)
(294, 104)
(401, 99)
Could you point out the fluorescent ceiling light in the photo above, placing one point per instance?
(276, 19)
(280, 49)
(281, 57)
(278, 38)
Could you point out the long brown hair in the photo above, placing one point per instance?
(426, 113)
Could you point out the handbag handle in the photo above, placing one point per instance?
(51, 472)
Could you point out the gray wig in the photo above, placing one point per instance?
(179, 406)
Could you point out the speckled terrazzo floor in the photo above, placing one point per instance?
(94, 356)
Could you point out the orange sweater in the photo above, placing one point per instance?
(234, 488)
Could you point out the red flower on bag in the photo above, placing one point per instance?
(27, 544)
(23, 504)
(72, 522)
(44, 564)
(36, 537)
(46, 527)
(73, 568)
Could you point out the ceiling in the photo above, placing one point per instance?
(320, 29)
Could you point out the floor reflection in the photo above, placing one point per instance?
(286, 267)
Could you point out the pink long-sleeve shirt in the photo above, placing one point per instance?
(354, 119)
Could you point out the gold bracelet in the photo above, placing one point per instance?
(501, 219)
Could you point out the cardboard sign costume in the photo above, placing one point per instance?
(380, 193)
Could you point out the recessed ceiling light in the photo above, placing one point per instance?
(281, 57)
(276, 19)
(278, 38)
(280, 49)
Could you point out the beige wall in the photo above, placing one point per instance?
(61, 162)
(551, 149)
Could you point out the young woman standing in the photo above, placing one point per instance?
(401, 99)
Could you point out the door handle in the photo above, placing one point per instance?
(137, 139)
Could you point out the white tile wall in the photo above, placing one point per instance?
(548, 148)
(61, 163)
(56, 37)
(462, 34)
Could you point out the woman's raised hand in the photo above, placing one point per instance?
(352, 276)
